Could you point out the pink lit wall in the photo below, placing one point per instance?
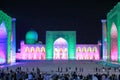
(31, 52)
(37, 52)
(87, 52)
(114, 49)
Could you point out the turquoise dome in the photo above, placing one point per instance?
(31, 37)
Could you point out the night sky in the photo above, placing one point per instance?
(83, 16)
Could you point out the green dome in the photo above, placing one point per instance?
(31, 37)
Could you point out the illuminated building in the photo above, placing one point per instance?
(113, 34)
(60, 41)
(7, 39)
(30, 49)
(31, 52)
(60, 45)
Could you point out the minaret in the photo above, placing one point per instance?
(13, 41)
(104, 39)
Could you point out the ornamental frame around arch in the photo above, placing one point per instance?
(113, 16)
(51, 36)
(8, 22)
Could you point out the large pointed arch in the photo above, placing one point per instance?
(3, 31)
(60, 49)
(3, 43)
(114, 43)
(7, 20)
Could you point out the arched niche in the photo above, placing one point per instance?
(114, 43)
(60, 49)
(3, 43)
(52, 36)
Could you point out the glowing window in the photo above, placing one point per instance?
(62, 46)
(60, 50)
(65, 50)
(114, 43)
(32, 49)
(26, 49)
(56, 50)
(89, 49)
(94, 49)
(114, 31)
(43, 49)
(84, 49)
(78, 49)
(37, 49)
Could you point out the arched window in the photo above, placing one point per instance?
(43, 49)
(65, 50)
(78, 49)
(32, 50)
(37, 49)
(84, 49)
(94, 49)
(26, 49)
(60, 50)
(114, 43)
(89, 49)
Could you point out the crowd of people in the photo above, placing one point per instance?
(36, 74)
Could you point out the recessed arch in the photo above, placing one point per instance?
(84, 49)
(37, 49)
(89, 49)
(94, 49)
(3, 43)
(32, 49)
(78, 49)
(114, 43)
(43, 49)
(60, 49)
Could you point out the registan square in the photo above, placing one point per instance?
(61, 57)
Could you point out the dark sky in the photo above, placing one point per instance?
(83, 16)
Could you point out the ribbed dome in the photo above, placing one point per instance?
(31, 37)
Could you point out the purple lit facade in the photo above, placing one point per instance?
(3, 43)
